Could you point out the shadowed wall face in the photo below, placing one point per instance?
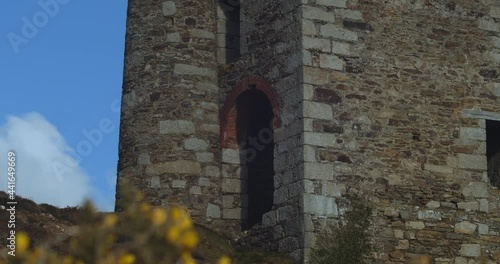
(255, 137)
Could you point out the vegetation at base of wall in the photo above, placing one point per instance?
(349, 242)
(139, 233)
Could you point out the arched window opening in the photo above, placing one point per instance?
(255, 137)
(228, 31)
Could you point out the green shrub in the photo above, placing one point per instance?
(348, 243)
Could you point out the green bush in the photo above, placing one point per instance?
(348, 243)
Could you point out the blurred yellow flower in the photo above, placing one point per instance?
(22, 243)
(67, 260)
(177, 213)
(127, 259)
(159, 216)
(190, 240)
(224, 260)
(145, 207)
(110, 238)
(139, 196)
(110, 220)
(173, 235)
(425, 260)
(187, 258)
(185, 223)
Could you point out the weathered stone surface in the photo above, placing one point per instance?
(483, 229)
(470, 250)
(489, 25)
(195, 190)
(231, 156)
(341, 48)
(200, 33)
(316, 76)
(317, 110)
(429, 215)
(174, 37)
(185, 69)
(169, 8)
(231, 186)
(205, 157)
(319, 205)
(320, 44)
(433, 204)
(144, 159)
(203, 182)
(155, 182)
(475, 162)
(178, 184)
(465, 228)
(321, 171)
(468, 206)
(176, 127)
(211, 171)
(484, 205)
(213, 211)
(232, 214)
(334, 3)
(331, 62)
(308, 27)
(415, 225)
(438, 168)
(336, 32)
(195, 144)
(320, 139)
(476, 189)
(314, 13)
(473, 133)
(180, 166)
(391, 212)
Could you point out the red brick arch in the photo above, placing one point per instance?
(228, 113)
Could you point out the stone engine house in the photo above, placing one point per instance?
(265, 115)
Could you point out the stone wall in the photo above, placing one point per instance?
(410, 84)
(169, 134)
(271, 57)
(386, 100)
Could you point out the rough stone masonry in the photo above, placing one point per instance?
(395, 101)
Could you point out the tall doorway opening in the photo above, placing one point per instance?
(493, 151)
(255, 137)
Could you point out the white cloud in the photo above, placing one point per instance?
(42, 151)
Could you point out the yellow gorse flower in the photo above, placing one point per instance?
(22, 243)
(224, 260)
(139, 196)
(159, 216)
(68, 260)
(175, 223)
(110, 220)
(145, 207)
(189, 240)
(173, 235)
(187, 258)
(127, 259)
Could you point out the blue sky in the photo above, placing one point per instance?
(61, 67)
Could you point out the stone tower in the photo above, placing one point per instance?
(266, 115)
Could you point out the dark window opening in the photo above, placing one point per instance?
(256, 140)
(493, 151)
(229, 30)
